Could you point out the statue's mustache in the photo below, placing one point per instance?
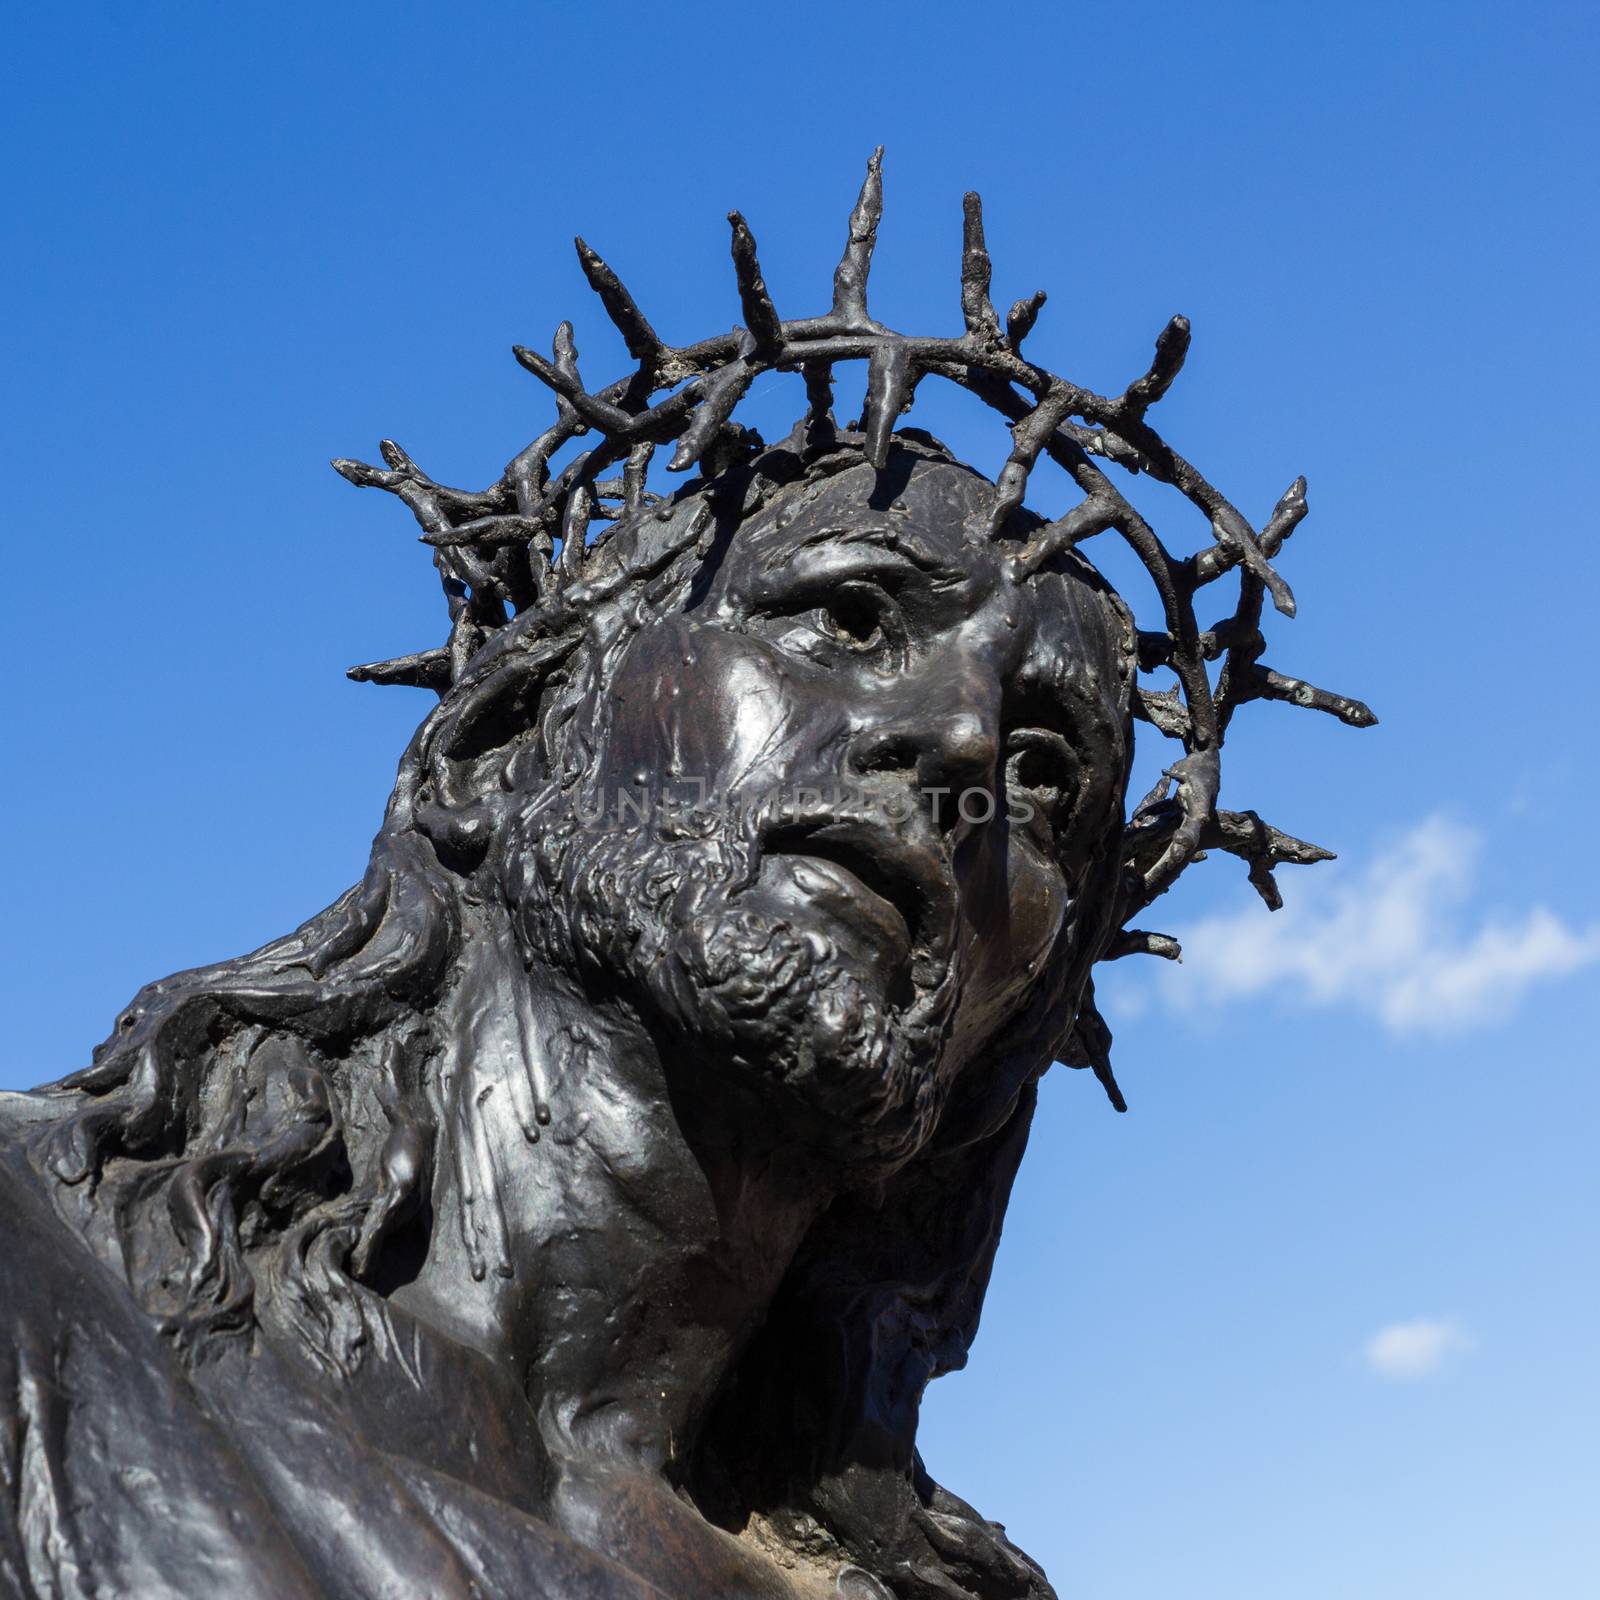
(886, 837)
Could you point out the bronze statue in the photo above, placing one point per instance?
(580, 1206)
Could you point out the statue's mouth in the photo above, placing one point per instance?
(885, 877)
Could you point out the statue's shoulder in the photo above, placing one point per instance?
(124, 1471)
(112, 1478)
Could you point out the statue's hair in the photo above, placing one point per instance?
(213, 1092)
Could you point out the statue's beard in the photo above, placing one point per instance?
(676, 928)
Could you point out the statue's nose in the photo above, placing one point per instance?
(944, 736)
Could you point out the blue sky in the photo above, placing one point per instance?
(1319, 1316)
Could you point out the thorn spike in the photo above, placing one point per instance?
(358, 473)
(644, 344)
(602, 413)
(1172, 348)
(395, 456)
(633, 475)
(1022, 316)
(890, 382)
(1287, 515)
(429, 669)
(574, 531)
(760, 315)
(565, 350)
(976, 310)
(819, 402)
(850, 278)
(710, 415)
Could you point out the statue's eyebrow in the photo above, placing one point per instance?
(900, 541)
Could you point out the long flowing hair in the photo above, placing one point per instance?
(276, 1105)
(274, 1115)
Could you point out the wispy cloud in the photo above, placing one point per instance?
(1418, 1349)
(1393, 938)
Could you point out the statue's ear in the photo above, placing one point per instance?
(483, 749)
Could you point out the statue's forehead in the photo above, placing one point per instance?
(931, 567)
(930, 513)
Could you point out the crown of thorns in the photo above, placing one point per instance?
(507, 548)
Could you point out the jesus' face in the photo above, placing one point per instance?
(875, 770)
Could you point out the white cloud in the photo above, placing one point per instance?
(1392, 938)
(1406, 1350)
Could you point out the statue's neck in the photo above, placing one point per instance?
(579, 1231)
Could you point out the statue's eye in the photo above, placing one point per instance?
(830, 615)
(855, 614)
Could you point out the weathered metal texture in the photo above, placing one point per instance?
(582, 1203)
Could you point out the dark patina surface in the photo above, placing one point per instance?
(581, 1204)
